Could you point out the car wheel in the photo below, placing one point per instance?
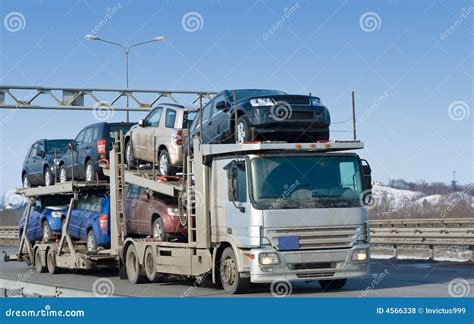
(90, 171)
(132, 266)
(91, 242)
(38, 264)
(26, 183)
(231, 279)
(62, 174)
(159, 230)
(46, 231)
(51, 262)
(243, 129)
(129, 157)
(48, 177)
(164, 164)
(332, 284)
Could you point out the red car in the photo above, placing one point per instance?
(152, 214)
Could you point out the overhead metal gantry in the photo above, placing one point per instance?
(63, 98)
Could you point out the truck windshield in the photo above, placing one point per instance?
(306, 181)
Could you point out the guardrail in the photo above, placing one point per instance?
(426, 232)
(9, 235)
(393, 232)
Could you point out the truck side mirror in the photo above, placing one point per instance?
(141, 123)
(366, 175)
(233, 184)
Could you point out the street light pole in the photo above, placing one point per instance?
(126, 51)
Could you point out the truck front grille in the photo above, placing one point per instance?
(320, 238)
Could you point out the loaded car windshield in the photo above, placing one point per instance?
(306, 181)
(56, 146)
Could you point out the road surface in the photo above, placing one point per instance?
(388, 278)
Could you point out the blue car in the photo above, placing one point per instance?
(46, 218)
(90, 220)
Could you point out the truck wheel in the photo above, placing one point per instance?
(51, 262)
(48, 177)
(38, 265)
(91, 242)
(134, 270)
(164, 164)
(332, 284)
(129, 157)
(150, 265)
(231, 279)
(243, 129)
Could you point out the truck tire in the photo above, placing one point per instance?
(132, 264)
(332, 284)
(51, 262)
(231, 279)
(38, 265)
(149, 264)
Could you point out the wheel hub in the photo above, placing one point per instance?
(228, 272)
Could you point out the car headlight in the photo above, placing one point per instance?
(173, 211)
(56, 214)
(316, 102)
(360, 255)
(258, 102)
(268, 258)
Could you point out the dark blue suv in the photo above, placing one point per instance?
(92, 145)
(41, 162)
(262, 114)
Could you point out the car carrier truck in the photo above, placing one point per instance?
(256, 212)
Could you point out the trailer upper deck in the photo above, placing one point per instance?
(329, 146)
(62, 188)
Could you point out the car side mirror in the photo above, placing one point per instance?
(141, 123)
(222, 105)
(145, 196)
(72, 145)
(40, 154)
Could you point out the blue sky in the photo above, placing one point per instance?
(413, 80)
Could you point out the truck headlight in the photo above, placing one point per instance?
(56, 214)
(268, 258)
(360, 255)
(258, 102)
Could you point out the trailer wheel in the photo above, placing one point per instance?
(132, 263)
(51, 262)
(332, 284)
(38, 265)
(231, 279)
(150, 265)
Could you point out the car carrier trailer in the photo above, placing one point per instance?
(233, 236)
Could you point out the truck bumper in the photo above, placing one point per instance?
(309, 265)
